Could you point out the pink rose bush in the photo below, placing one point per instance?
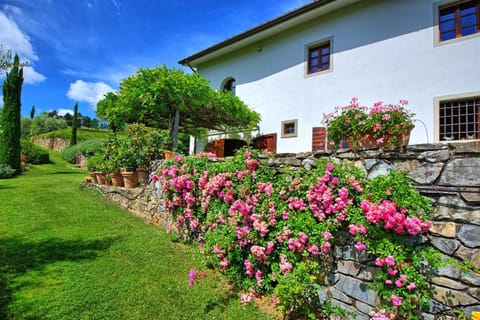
(269, 231)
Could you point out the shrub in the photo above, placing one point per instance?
(87, 148)
(6, 171)
(270, 231)
(34, 153)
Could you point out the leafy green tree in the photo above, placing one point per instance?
(5, 58)
(44, 123)
(26, 125)
(73, 139)
(170, 99)
(10, 122)
(68, 118)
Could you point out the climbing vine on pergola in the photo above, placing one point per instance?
(171, 99)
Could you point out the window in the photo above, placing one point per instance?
(459, 19)
(229, 85)
(318, 58)
(459, 119)
(289, 128)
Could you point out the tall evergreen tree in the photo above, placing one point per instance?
(32, 112)
(10, 132)
(73, 139)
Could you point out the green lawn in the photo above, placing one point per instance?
(67, 253)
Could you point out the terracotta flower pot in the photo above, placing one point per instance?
(130, 179)
(117, 179)
(143, 175)
(100, 177)
(93, 176)
(169, 155)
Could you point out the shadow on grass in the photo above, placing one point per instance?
(68, 172)
(18, 256)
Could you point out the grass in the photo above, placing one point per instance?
(67, 253)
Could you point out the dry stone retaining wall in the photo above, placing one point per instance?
(449, 176)
(55, 144)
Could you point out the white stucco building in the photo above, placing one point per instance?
(296, 67)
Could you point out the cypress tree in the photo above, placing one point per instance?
(32, 112)
(10, 122)
(73, 138)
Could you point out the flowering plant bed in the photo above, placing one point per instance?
(380, 126)
(274, 232)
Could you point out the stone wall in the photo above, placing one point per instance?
(55, 144)
(449, 176)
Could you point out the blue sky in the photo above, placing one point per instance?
(80, 49)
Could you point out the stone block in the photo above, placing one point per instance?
(461, 172)
(449, 271)
(356, 289)
(449, 283)
(309, 164)
(469, 235)
(323, 295)
(380, 169)
(444, 229)
(475, 293)
(452, 298)
(435, 155)
(348, 268)
(448, 246)
(340, 296)
(363, 307)
(465, 253)
(367, 274)
(426, 173)
(471, 278)
(476, 259)
(454, 209)
(369, 163)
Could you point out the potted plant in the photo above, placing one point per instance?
(381, 126)
(112, 148)
(147, 143)
(93, 164)
(391, 124)
(347, 125)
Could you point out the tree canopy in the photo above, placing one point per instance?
(155, 96)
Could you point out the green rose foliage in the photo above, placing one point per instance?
(273, 231)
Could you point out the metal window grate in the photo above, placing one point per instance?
(460, 119)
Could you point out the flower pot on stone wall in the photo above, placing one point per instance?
(100, 177)
(117, 179)
(169, 154)
(143, 175)
(130, 179)
(93, 176)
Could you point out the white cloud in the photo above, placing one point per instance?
(63, 112)
(31, 76)
(1, 101)
(13, 38)
(90, 92)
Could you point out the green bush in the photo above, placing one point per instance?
(6, 171)
(275, 232)
(88, 147)
(34, 153)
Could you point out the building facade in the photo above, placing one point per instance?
(298, 66)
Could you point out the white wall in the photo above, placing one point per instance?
(383, 51)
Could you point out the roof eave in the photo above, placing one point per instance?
(255, 33)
